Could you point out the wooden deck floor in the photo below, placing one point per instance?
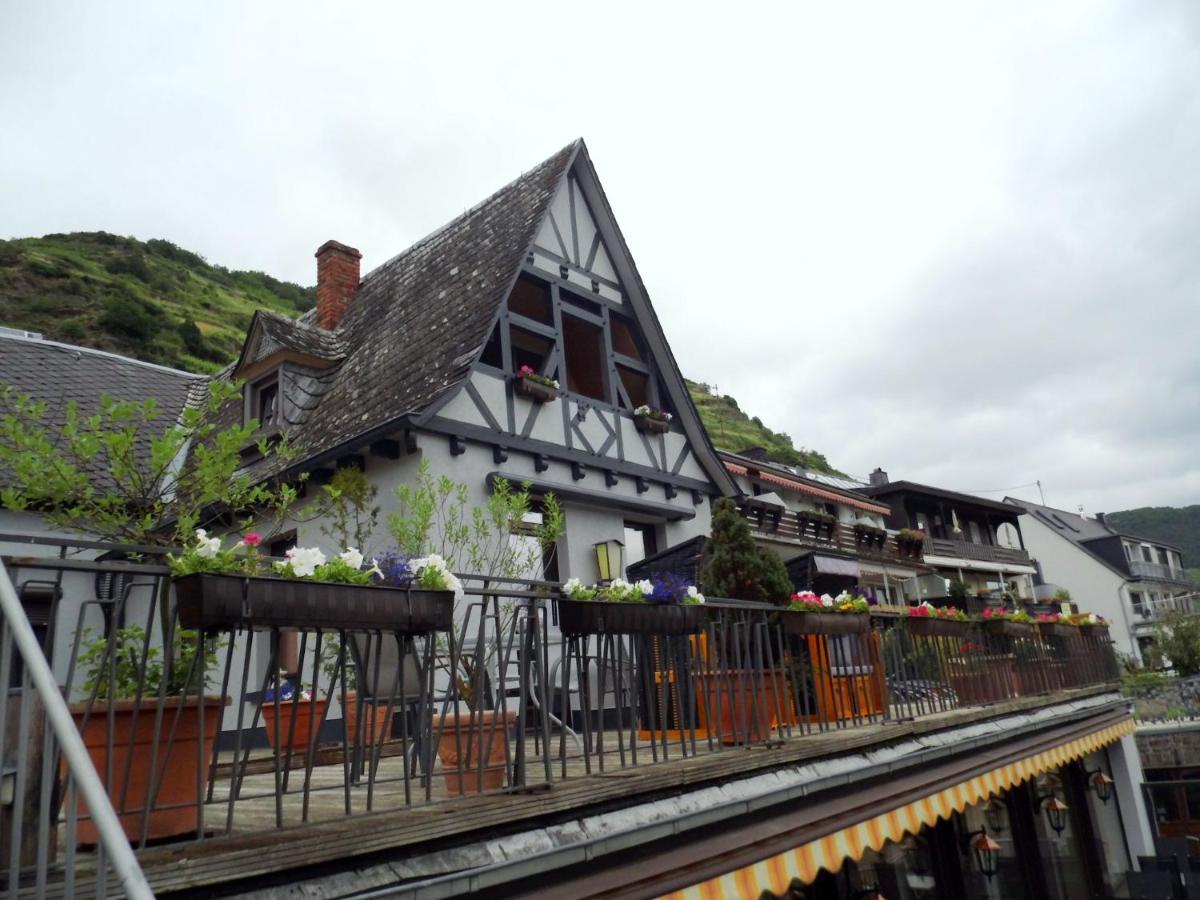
(255, 846)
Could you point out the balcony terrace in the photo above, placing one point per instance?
(772, 523)
(598, 707)
(960, 549)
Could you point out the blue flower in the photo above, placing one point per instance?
(396, 568)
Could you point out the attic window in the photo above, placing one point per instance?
(493, 350)
(583, 344)
(623, 339)
(263, 401)
(637, 386)
(531, 298)
(529, 349)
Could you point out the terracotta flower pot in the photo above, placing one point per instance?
(376, 718)
(303, 712)
(749, 702)
(466, 738)
(172, 767)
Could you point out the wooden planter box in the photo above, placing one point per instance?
(928, 626)
(651, 425)
(824, 622)
(233, 601)
(173, 768)
(1057, 630)
(535, 390)
(1006, 628)
(600, 617)
(911, 549)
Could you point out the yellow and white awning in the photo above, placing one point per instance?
(831, 851)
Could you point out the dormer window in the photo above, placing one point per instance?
(263, 402)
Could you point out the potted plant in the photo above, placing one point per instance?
(291, 715)
(651, 420)
(937, 621)
(124, 675)
(844, 614)
(910, 542)
(538, 388)
(1056, 625)
(338, 665)
(1008, 622)
(436, 528)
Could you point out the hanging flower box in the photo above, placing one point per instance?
(1057, 629)
(208, 600)
(537, 388)
(801, 623)
(1008, 628)
(576, 617)
(910, 542)
(651, 421)
(930, 626)
(870, 536)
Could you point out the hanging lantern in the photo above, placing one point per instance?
(986, 852)
(610, 559)
(995, 815)
(1056, 813)
(1102, 784)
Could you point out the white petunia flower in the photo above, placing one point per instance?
(375, 570)
(201, 535)
(209, 548)
(646, 586)
(305, 560)
(694, 594)
(571, 586)
(352, 557)
(826, 600)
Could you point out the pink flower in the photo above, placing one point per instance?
(252, 539)
(524, 370)
(987, 613)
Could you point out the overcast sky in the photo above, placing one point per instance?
(959, 242)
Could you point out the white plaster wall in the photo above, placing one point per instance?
(1093, 586)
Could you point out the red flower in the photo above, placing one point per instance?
(525, 370)
(252, 539)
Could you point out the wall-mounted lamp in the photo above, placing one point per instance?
(1101, 783)
(985, 850)
(610, 559)
(1056, 810)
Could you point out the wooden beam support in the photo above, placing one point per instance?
(457, 445)
(611, 479)
(499, 454)
(642, 484)
(540, 462)
(577, 471)
(410, 442)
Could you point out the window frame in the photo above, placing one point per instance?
(253, 394)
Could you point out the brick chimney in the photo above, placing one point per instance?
(337, 282)
(878, 478)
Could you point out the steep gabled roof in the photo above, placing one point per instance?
(421, 319)
(270, 333)
(788, 478)
(1077, 528)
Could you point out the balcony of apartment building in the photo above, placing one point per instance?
(1151, 607)
(1153, 563)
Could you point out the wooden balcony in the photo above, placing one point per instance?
(983, 552)
(784, 526)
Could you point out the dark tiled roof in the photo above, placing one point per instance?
(1076, 528)
(882, 491)
(59, 374)
(420, 319)
(292, 334)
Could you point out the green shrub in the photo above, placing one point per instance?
(132, 263)
(131, 318)
(737, 567)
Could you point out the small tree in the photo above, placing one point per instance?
(1178, 639)
(737, 566)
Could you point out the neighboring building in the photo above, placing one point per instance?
(829, 537)
(970, 539)
(1131, 581)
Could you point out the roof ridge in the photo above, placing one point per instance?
(42, 342)
(471, 210)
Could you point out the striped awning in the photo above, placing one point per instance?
(802, 487)
(830, 852)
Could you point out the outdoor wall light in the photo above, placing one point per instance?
(1056, 811)
(985, 850)
(610, 558)
(1101, 783)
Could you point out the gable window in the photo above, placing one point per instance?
(493, 350)
(624, 341)
(636, 385)
(531, 298)
(583, 346)
(1146, 555)
(529, 349)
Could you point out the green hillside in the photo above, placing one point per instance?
(158, 302)
(1178, 526)
(731, 429)
(148, 299)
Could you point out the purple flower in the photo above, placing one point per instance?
(396, 569)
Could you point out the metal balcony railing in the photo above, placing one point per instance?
(524, 690)
(1139, 568)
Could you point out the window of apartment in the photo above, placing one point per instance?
(1128, 552)
(923, 522)
(976, 535)
(1162, 556)
(543, 562)
(1147, 556)
(641, 540)
(583, 346)
(624, 341)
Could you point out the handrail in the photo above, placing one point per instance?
(79, 763)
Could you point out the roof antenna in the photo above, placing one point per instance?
(1040, 494)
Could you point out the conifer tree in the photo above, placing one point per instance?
(737, 567)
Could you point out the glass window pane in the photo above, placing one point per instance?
(531, 298)
(623, 339)
(637, 386)
(583, 344)
(529, 349)
(493, 353)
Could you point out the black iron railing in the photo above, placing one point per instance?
(519, 688)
